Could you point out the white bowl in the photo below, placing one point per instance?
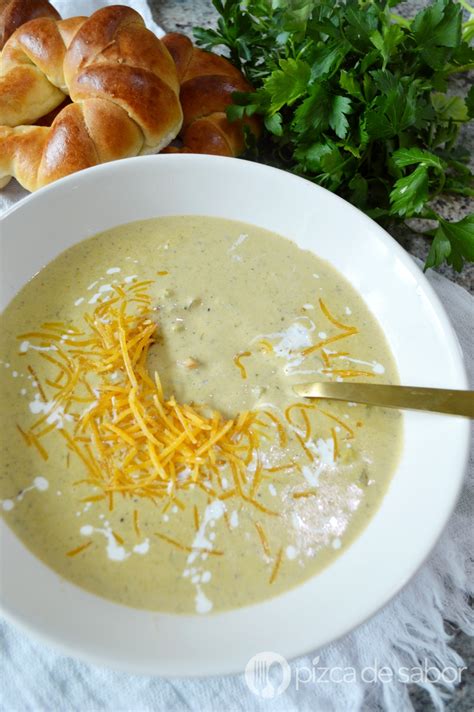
(423, 491)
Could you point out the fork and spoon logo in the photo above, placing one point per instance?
(267, 675)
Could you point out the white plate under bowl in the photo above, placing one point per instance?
(423, 491)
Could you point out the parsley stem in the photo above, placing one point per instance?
(461, 68)
(466, 6)
(399, 20)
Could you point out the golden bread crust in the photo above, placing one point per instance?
(14, 13)
(121, 79)
(207, 84)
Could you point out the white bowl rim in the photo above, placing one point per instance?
(215, 664)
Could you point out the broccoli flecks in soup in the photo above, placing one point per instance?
(153, 450)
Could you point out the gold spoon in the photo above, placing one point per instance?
(438, 400)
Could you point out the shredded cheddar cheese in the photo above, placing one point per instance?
(266, 346)
(348, 373)
(34, 441)
(335, 443)
(118, 538)
(332, 319)
(78, 549)
(306, 493)
(325, 357)
(24, 435)
(189, 549)
(338, 421)
(325, 342)
(38, 383)
(237, 357)
(308, 452)
(196, 518)
(276, 567)
(263, 538)
(132, 439)
(302, 408)
(345, 328)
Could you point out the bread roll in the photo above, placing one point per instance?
(31, 69)
(14, 13)
(207, 84)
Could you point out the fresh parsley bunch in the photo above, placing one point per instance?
(355, 98)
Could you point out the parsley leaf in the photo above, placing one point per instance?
(340, 106)
(273, 124)
(449, 108)
(440, 250)
(312, 115)
(440, 24)
(453, 243)
(410, 156)
(349, 83)
(327, 59)
(410, 192)
(387, 42)
(287, 84)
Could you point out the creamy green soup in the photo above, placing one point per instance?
(241, 315)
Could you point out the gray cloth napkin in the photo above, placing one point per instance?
(407, 637)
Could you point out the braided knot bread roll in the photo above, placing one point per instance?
(31, 69)
(207, 84)
(14, 13)
(124, 88)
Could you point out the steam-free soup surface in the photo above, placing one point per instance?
(237, 311)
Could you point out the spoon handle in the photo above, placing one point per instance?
(438, 400)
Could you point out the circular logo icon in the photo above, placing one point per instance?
(267, 675)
